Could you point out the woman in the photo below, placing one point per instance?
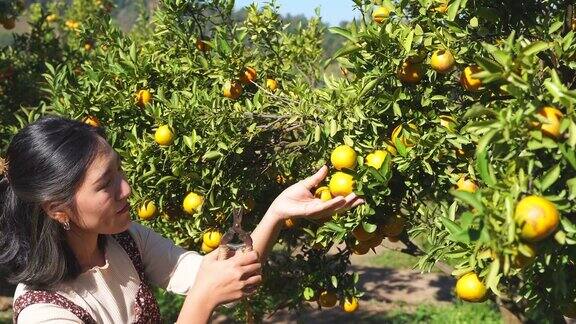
(67, 238)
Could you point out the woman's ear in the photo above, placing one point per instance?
(56, 211)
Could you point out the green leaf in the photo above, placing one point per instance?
(485, 169)
(342, 32)
(370, 228)
(453, 9)
(468, 198)
(550, 177)
(536, 48)
(211, 155)
(451, 226)
(408, 41)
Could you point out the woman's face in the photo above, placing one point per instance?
(101, 202)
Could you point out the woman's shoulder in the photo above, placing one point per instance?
(39, 307)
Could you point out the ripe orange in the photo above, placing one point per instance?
(466, 185)
(442, 61)
(248, 75)
(290, 222)
(470, 288)
(212, 238)
(323, 193)
(443, 7)
(343, 157)
(380, 14)
(341, 184)
(410, 73)
(232, 90)
(393, 239)
(143, 97)
(537, 216)
(192, 202)
(376, 159)
(201, 45)
(147, 210)
(92, 121)
(554, 118)
(164, 135)
(328, 299)
(374, 241)
(271, 84)
(350, 305)
(393, 226)
(51, 18)
(361, 235)
(206, 249)
(467, 81)
(72, 24)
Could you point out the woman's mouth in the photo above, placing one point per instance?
(124, 209)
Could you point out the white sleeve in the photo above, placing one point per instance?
(166, 265)
(47, 314)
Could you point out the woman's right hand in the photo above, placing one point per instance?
(223, 281)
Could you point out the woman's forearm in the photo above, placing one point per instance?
(265, 234)
(196, 309)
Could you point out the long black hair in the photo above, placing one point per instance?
(47, 161)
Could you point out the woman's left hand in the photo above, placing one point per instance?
(298, 200)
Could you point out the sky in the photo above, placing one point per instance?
(331, 11)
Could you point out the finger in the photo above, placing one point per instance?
(251, 269)
(351, 204)
(252, 281)
(315, 179)
(245, 258)
(212, 256)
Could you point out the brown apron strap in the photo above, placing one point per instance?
(48, 297)
(129, 245)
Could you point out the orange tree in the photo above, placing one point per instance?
(477, 98)
(209, 114)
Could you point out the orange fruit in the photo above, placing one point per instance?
(51, 18)
(380, 14)
(92, 121)
(361, 235)
(393, 239)
(290, 222)
(201, 45)
(323, 193)
(232, 90)
(147, 210)
(376, 159)
(374, 241)
(470, 288)
(343, 157)
(212, 238)
(553, 116)
(466, 185)
(537, 217)
(393, 226)
(467, 81)
(192, 202)
(143, 97)
(410, 73)
(206, 249)
(442, 61)
(164, 135)
(443, 7)
(271, 84)
(350, 305)
(341, 184)
(88, 46)
(248, 75)
(328, 299)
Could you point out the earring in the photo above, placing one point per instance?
(66, 225)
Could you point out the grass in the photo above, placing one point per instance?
(393, 259)
(458, 313)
